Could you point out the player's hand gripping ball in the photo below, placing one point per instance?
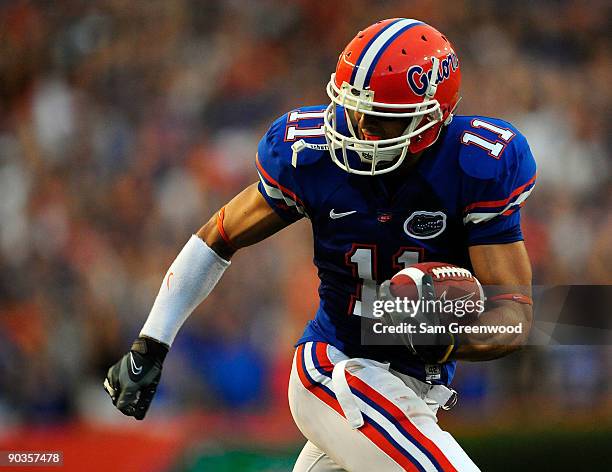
(446, 294)
(459, 292)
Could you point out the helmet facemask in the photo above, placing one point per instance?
(383, 155)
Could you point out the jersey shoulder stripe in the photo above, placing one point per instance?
(482, 211)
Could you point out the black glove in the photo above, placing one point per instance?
(431, 347)
(132, 382)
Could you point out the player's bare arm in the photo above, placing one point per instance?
(245, 220)
(507, 267)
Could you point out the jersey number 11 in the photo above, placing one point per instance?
(363, 259)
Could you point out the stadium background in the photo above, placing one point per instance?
(124, 124)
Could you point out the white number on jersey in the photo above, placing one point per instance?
(293, 130)
(364, 258)
(494, 148)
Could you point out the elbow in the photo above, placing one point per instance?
(211, 236)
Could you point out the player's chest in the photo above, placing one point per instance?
(372, 213)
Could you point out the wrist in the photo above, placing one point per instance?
(150, 348)
(449, 347)
(442, 351)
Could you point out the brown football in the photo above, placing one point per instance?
(451, 284)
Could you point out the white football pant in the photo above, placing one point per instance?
(359, 416)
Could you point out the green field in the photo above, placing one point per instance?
(530, 451)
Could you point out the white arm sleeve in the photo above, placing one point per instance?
(191, 277)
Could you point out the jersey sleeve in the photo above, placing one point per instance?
(277, 178)
(495, 192)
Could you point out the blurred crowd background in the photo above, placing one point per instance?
(125, 124)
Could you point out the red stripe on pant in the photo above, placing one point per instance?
(393, 410)
(314, 387)
(367, 429)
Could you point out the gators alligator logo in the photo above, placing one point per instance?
(425, 224)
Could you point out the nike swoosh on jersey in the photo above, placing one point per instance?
(135, 369)
(333, 215)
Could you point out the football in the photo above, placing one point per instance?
(452, 284)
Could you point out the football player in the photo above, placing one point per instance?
(388, 176)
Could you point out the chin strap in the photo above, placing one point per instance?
(452, 113)
(433, 82)
(430, 93)
(300, 145)
(432, 88)
(297, 147)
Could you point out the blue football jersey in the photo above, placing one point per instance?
(465, 190)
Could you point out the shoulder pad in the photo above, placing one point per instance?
(298, 130)
(488, 147)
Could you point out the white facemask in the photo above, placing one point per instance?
(376, 154)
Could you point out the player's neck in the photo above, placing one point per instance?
(410, 163)
(395, 180)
